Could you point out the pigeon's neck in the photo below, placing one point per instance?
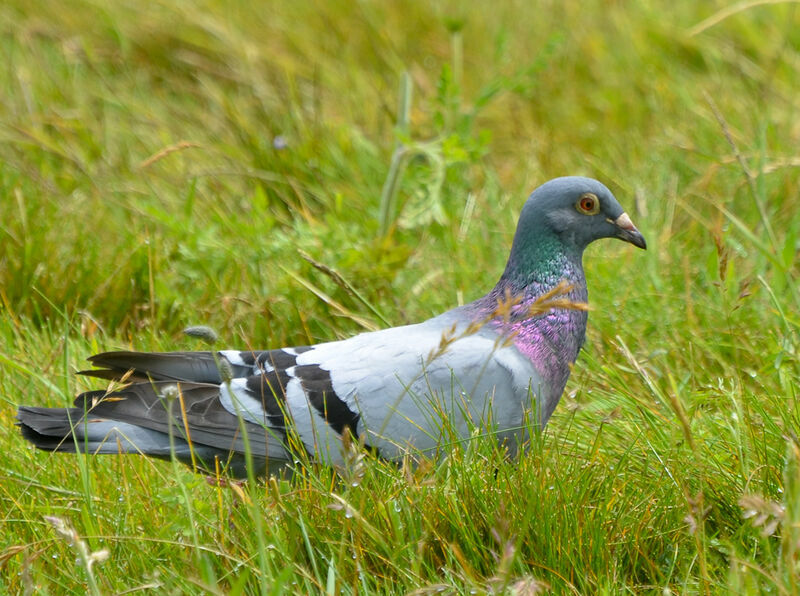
(536, 265)
(551, 340)
(528, 276)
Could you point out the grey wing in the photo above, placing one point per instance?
(397, 388)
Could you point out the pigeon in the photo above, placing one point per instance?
(496, 365)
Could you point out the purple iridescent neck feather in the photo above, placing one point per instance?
(552, 340)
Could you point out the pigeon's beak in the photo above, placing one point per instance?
(627, 231)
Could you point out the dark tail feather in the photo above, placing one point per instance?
(140, 418)
(48, 428)
(199, 367)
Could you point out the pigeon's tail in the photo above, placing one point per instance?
(157, 419)
(198, 367)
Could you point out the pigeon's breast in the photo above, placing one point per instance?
(551, 343)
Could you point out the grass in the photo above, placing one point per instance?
(288, 175)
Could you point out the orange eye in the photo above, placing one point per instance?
(588, 204)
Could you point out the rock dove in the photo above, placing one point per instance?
(490, 365)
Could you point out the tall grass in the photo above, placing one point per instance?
(246, 166)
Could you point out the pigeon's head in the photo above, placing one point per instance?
(578, 211)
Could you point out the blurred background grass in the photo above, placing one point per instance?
(178, 163)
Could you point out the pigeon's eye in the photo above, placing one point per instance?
(588, 204)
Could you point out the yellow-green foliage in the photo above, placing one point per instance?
(291, 172)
